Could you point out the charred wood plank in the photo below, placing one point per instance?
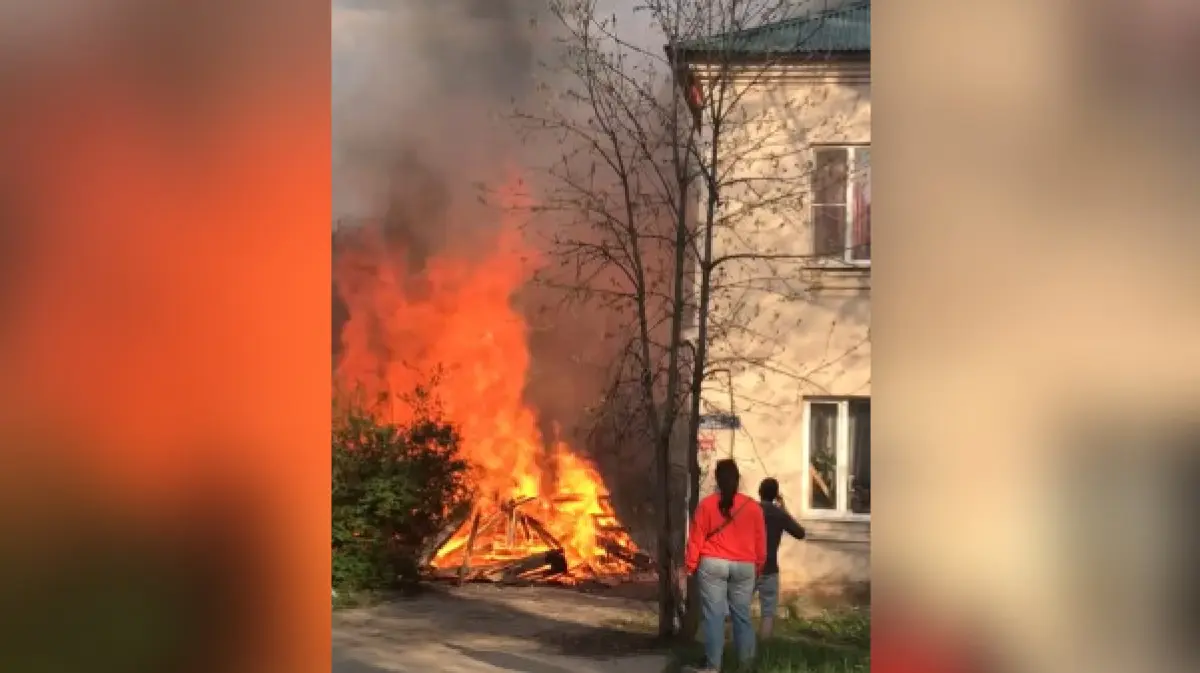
(526, 532)
(466, 563)
(489, 522)
(482, 526)
(637, 559)
(485, 572)
(513, 504)
(510, 533)
(552, 562)
(541, 531)
(456, 527)
(454, 523)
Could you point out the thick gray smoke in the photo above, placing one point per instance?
(419, 91)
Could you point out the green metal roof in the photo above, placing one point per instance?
(845, 30)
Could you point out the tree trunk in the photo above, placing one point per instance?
(667, 599)
(668, 566)
(666, 584)
(691, 621)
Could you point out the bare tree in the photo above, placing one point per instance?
(644, 133)
(623, 243)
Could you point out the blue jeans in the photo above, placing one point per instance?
(768, 594)
(726, 588)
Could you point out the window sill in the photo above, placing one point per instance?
(839, 268)
(818, 277)
(856, 530)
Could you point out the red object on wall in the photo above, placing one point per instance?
(707, 443)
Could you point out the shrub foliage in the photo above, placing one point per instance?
(395, 488)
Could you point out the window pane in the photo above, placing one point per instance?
(829, 176)
(822, 455)
(829, 230)
(860, 237)
(860, 456)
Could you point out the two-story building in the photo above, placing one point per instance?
(788, 393)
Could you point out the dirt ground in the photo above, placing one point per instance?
(486, 629)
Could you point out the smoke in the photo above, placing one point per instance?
(419, 91)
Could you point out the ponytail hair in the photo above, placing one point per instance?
(727, 484)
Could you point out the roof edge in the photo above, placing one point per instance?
(689, 50)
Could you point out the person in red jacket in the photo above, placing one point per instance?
(726, 550)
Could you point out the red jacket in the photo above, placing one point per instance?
(744, 538)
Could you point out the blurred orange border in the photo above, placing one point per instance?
(168, 309)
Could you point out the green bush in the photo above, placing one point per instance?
(394, 489)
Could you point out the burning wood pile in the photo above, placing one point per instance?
(512, 542)
(545, 514)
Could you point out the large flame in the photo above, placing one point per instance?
(455, 317)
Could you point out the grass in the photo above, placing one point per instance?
(345, 600)
(832, 642)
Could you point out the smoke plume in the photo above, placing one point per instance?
(418, 91)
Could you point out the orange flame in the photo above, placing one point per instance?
(456, 318)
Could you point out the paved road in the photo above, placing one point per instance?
(468, 660)
(492, 630)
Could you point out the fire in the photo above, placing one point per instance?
(455, 317)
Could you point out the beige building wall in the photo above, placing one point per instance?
(787, 329)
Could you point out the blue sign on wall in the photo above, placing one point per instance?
(720, 422)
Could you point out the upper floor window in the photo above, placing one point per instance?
(841, 205)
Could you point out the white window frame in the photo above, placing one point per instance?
(842, 511)
(853, 167)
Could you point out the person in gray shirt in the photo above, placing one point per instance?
(778, 521)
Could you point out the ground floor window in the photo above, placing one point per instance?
(837, 450)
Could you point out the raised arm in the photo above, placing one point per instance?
(790, 525)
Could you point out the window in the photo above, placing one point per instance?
(838, 452)
(841, 206)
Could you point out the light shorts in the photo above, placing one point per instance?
(767, 587)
